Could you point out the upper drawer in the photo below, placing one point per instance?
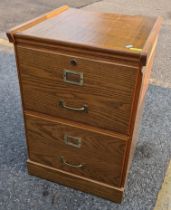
(84, 90)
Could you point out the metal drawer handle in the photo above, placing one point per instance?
(84, 108)
(72, 141)
(63, 161)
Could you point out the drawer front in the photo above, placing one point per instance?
(92, 92)
(73, 149)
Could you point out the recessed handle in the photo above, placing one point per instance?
(64, 162)
(84, 108)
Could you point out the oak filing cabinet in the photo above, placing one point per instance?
(83, 77)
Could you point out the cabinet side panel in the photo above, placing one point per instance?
(21, 94)
(142, 88)
(134, 130)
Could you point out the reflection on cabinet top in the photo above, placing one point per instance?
(121, 34)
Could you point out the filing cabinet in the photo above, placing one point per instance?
(83, 77)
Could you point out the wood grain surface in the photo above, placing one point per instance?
(108, 89)
(102, 30)
(143, 87)
(35, 21)
(78, 182)
(101, 156)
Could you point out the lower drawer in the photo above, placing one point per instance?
(76, 149)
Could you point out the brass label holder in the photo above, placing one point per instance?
(72, 141)
(73, 77)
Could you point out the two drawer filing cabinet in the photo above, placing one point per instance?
(83, 77)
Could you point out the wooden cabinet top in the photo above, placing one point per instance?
(99, 31)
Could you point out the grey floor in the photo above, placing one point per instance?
(19, 191)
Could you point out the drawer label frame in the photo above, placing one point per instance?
(68, 72)
(77, 142)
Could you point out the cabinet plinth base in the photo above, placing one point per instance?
(87, 185)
